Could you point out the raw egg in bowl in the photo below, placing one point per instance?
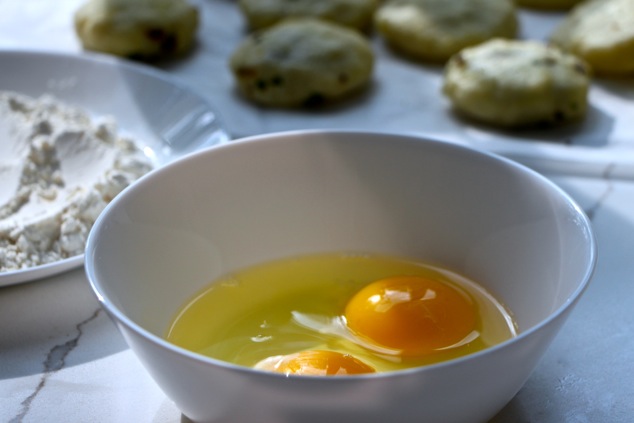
(340, 276)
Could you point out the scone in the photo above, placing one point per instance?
(353, 13)
(548, 4)
(302, 61)
(512, 83)
(602, 33)
(435, 29)
(142, 29)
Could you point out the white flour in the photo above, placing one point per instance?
(58, 170)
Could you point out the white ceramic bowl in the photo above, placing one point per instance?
(281, 195)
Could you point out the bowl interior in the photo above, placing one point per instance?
(283, 195)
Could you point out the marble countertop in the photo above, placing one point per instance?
(62, 359)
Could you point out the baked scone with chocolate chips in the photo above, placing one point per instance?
(435, 29)
(140, 29)
(512, 83)
(602, 33)
(302, 61)
(352, 13)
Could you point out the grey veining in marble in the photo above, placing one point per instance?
(62, 359)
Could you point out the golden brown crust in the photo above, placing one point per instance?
(602, 33)
(300, 61)
(141, 29)
(352, 13)
(517, 83)
(435, 29)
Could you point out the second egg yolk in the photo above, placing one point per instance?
(315, 363)
(412, 315)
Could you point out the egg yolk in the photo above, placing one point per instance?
(315, 363)
(412, 315)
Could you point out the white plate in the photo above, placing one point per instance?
(169, 120)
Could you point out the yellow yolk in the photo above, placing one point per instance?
(315, 363)
(413, 315)
(279, 308)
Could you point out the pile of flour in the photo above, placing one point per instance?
(58, 170)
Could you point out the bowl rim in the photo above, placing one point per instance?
(120, 317)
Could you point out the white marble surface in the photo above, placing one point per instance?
(61, 358)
